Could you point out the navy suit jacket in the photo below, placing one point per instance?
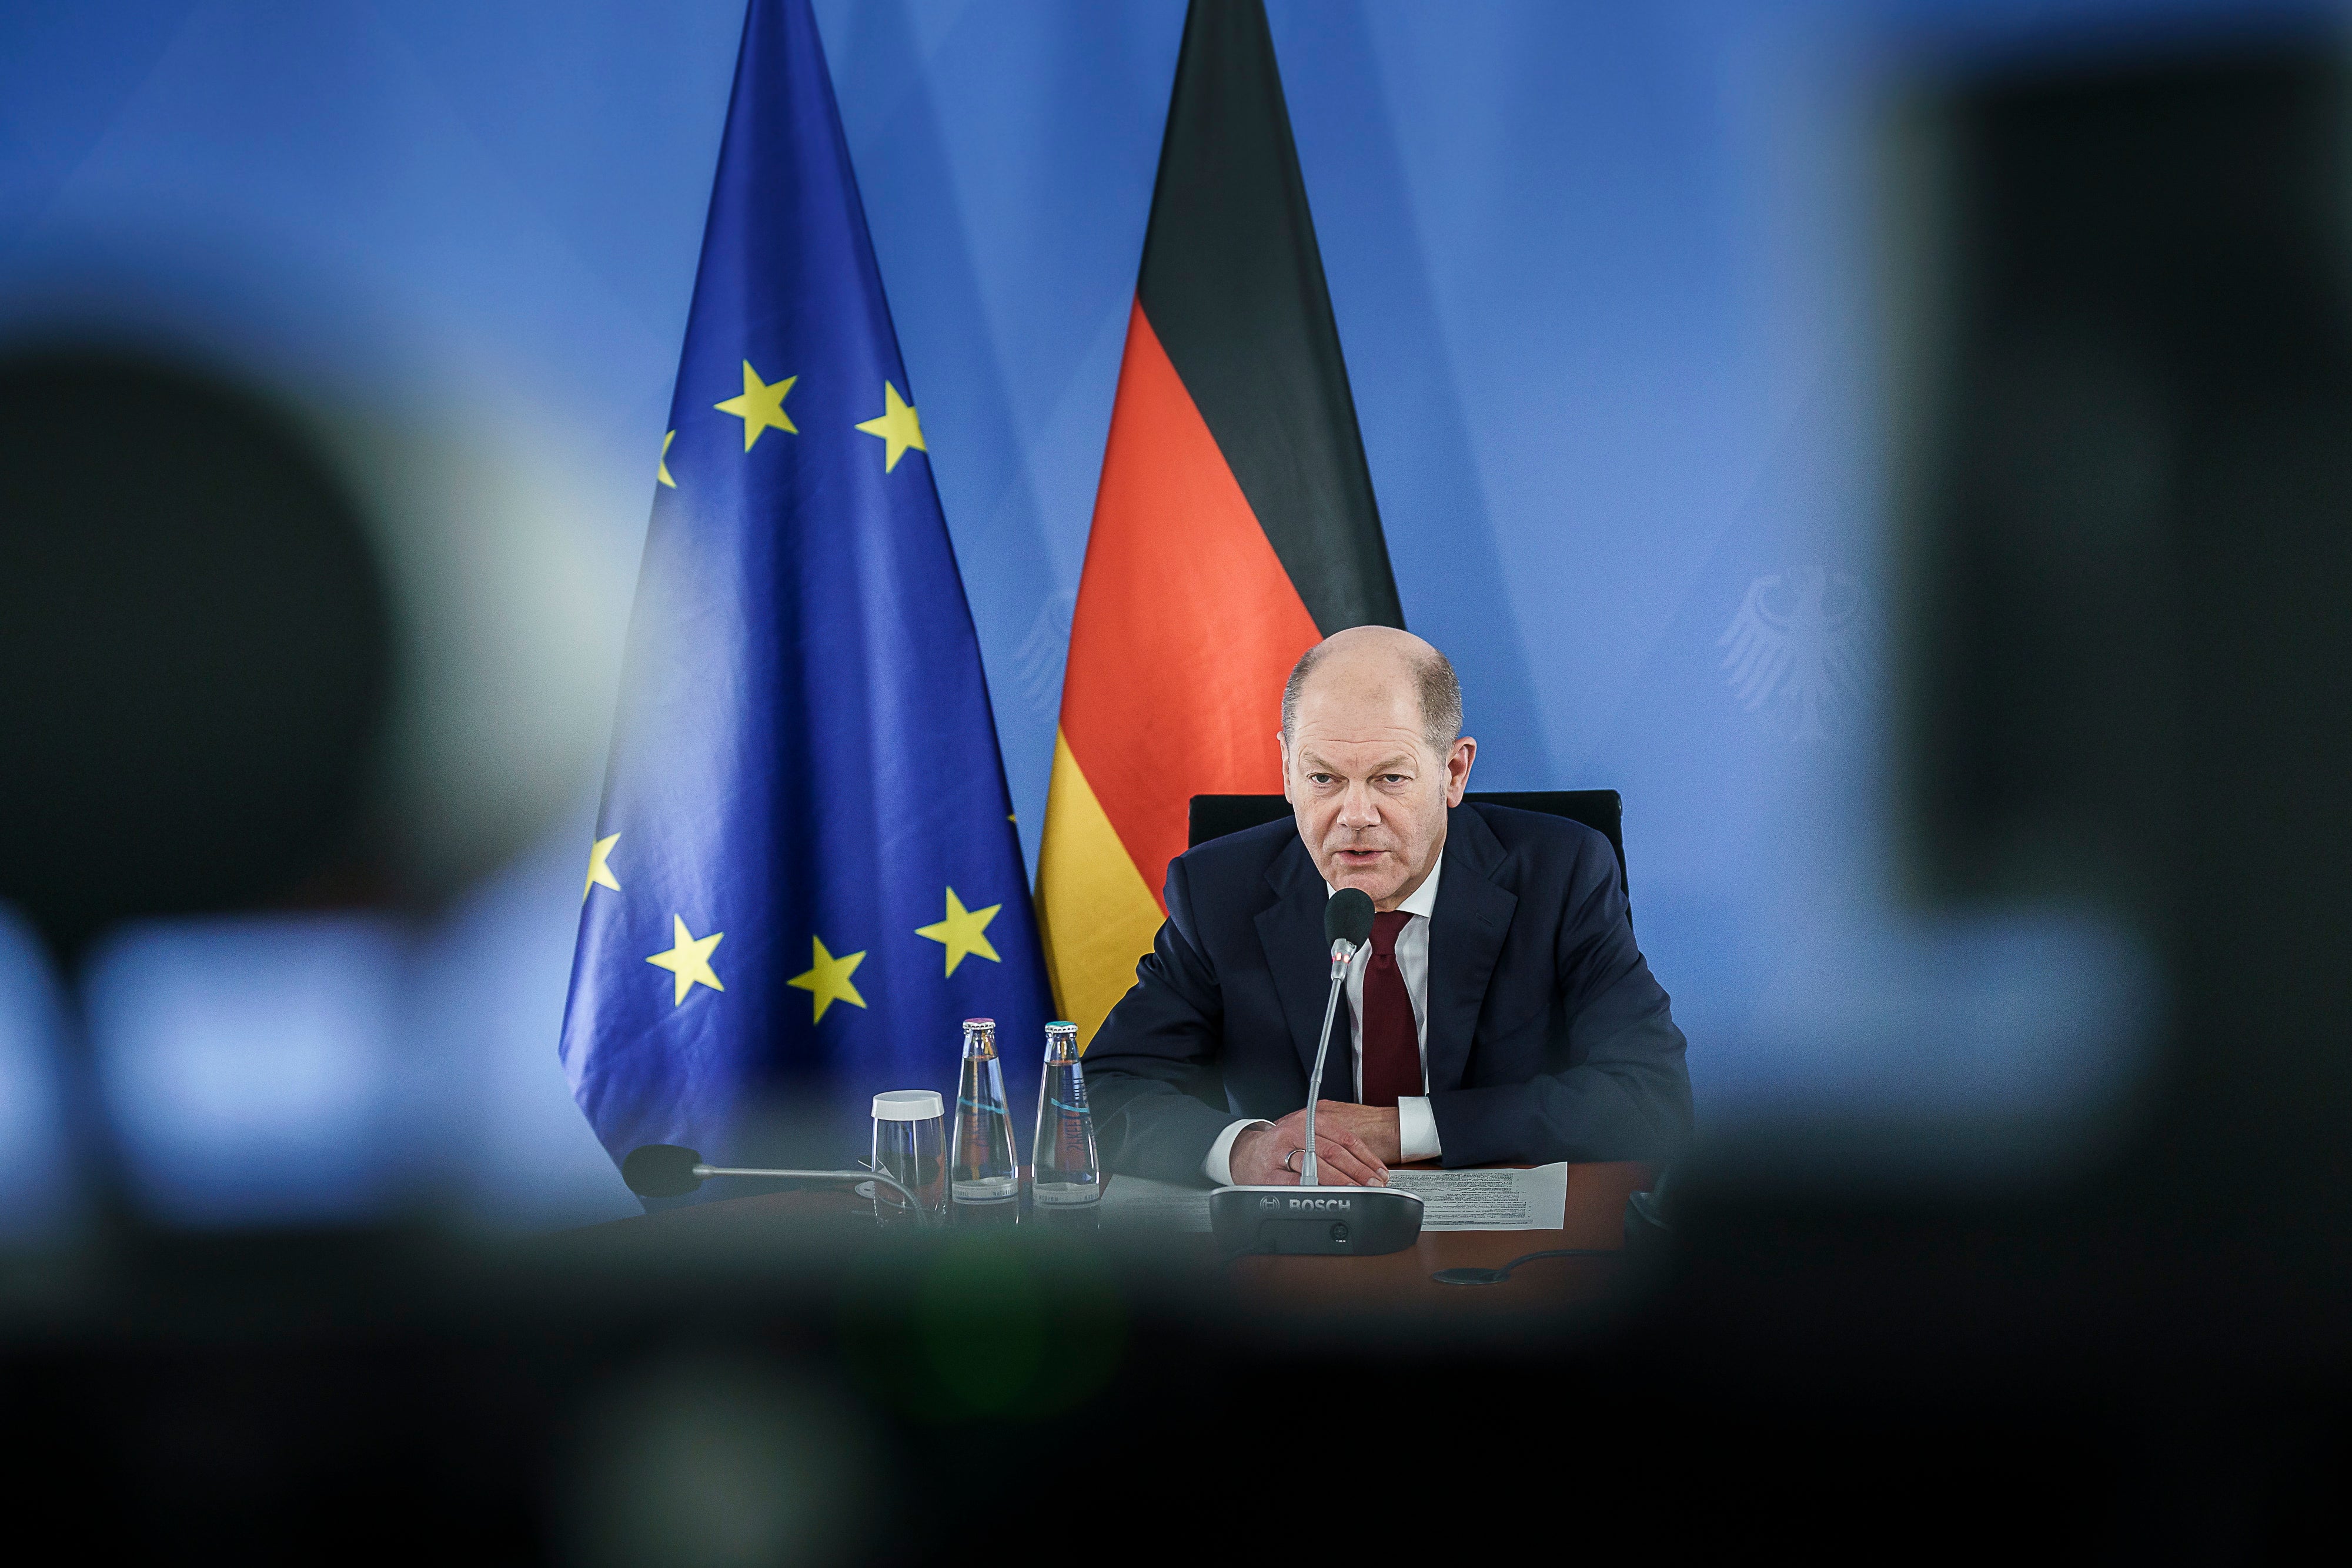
(1549, 1038)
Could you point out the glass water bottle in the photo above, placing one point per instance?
(1064, 1167)
(982, 1168)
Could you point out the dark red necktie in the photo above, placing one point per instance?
(1391, 1042)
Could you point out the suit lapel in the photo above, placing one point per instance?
(1291, 931)
(1465, 938)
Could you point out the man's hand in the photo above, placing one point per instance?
(1352, 1146)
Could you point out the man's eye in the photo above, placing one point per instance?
(1319, 778)
(1391, 778)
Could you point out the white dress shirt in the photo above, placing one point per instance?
(1416, 1127)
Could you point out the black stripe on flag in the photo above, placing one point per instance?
(1233, 285)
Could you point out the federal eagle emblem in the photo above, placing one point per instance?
(1803, 651)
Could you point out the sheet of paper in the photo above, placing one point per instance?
(1489, 1200)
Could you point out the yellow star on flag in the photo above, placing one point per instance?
(897, 427)
(689, 960)
(661, 469)
(600, 869)
(959, 933)
(827, 981)
(762, 406)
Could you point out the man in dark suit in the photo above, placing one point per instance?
(1501, 1012)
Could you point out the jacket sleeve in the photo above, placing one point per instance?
(1152, 1073)
(1621, 1090)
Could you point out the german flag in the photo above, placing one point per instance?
(1235, 527)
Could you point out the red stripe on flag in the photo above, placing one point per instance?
(1186, 623)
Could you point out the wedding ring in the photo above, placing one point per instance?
(1290, 1156)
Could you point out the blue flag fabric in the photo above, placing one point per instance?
(805, 873)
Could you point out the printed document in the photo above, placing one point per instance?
(1489, 1200)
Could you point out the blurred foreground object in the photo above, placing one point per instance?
(216, 839)
(197, 645)
(39, 1182)
(2128, 477)
(251, 1070)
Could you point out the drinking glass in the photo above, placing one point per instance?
(909, 1147)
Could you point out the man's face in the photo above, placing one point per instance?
(1369, 794)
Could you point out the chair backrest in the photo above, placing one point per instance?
(1602, 810)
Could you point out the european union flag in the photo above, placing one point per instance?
(805, 874)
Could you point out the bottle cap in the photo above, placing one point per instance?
(909, 1105)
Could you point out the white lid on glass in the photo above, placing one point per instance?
(909, 1105)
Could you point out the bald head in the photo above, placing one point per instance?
(1376, 658)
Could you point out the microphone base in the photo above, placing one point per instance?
(1314, 1222)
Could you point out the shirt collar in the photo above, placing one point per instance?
(1425, 897)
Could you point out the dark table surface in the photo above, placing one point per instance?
(1593, 1218)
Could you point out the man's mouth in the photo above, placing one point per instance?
(1360, 857)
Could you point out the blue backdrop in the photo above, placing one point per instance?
(1603, 275)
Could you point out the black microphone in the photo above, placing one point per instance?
(1348, 917)
(666, 1170)
(1335, 1221)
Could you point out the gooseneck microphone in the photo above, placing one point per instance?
(666, 1170)
(1310, 1218)
(1348, 925)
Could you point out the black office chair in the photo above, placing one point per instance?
(1602, 810)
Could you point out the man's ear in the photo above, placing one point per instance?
(1457, 768)
(1282, 748)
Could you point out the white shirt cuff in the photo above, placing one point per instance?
(1416, 1129)
(1219, 1166)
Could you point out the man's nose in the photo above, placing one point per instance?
(1357, 810)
